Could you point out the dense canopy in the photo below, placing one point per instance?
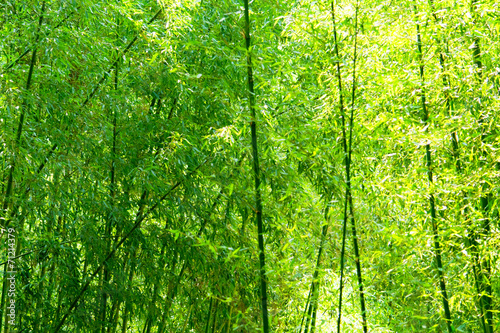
(272, 166)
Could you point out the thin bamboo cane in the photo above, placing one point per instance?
(470, 243)
(256, 169)
(209, 315)
(486, 296)
(347, 145)
(313, 298)
(24, 108)
(428, 163)
(10, 179)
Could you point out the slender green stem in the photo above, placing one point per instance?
(344, 144)
(347, 145)
(428, 163)
(486, 297)
(256, 169)
(19, 131)
(470, 242)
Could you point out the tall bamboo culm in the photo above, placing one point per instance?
(256, 170)
(348, 203)
(428, 164)
(470, 242)
(484, 276)
(10, 180)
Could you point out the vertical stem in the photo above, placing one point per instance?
(353, 224)
(486, 297)
(109, 222)
(344, 224)
(229, 319)
(428, 162)
(115, 310)
(128, 305)
(10, 179)
(207, 326)
(470, 242)
(313, 319)
(256, 169)
(214, 320)
(150, 316)
(187, 318)
(305, 308)
(24, 107)
(347, 162)
(313, 298)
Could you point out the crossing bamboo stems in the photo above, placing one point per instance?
(348, 202)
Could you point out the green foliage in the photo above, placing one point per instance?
(121, 109)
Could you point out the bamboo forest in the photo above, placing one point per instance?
(218, 166)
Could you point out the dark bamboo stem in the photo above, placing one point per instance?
(470, 242)
(10, 179)
(347, 146)
(109, 221)
(313, 298)
(428, 163)
(346, 160)
(353, 224)
(209, 315)
(19, 131)
(484, 275)
(128, 305)
(256, 169)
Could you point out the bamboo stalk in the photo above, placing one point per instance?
(115, 309)
(187, 318)
(344, 224)
(256, 171)
(486, 295)
(128, 305)
(209, 315)
(10, 179)
(470, 242)
(347, 145)
(109, 220)
(314, 290)
(353, 224)
(19, 131)
(428, 163)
